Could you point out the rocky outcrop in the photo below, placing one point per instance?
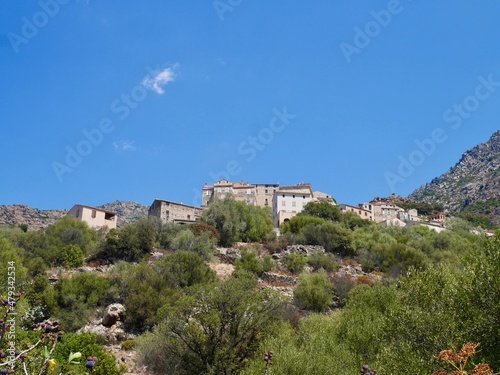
(228, 255)
(472, 185)
(109, 327)
(128, 212)
(113, 314)
(305, 250)
(35, 219)
(17, 214)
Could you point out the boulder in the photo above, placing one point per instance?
(113, 314)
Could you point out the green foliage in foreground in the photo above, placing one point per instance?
(310, 349)
(214, 329)
(314, 291)
(87, 345)
(400, 327)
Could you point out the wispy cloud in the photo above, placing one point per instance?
(124, 145)
(159, 78)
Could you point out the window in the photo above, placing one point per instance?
(94, 214)
(207, 192)
(189, 217)
(283, 203)
(266, 191)
(77, 213)
(303, 197)
(249, 191)
(219, 190)
(294, 204)
(226, 190)
(293, 196)
(266, 202)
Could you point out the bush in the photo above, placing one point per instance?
(314, 291)
(202, 244)
(183, 269)
(323, 261)
(77, 298)
(342, 285)
(213, 330)
(276, 245)
(129, 344)
(87, 345)
(295, 262)
(251, 263)
(143, 291)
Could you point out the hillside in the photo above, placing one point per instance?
(128, 212)
(17, 214)
(472, 186)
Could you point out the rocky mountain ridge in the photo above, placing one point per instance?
(472, 186)
(17, 214)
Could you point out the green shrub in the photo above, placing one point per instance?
(87, 345)
(129, 344)
(322, 261)
(295, 262)
(314, 291)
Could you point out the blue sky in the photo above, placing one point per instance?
(137, 100)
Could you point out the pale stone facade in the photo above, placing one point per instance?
(360, 211)
(168, 211)
(438, 218)
(95, 217)
(382, 211)
(318, 196)
(288, 201)
(253, 194)
(264, 194)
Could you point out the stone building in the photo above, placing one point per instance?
(438, 218)
(95, 217)
(318, 196)
(264, 194)
(252, 194)
(382, 211)
(171, 212)
(359, 210)
(288, 201)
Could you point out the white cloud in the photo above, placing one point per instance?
(159, 79)
(124, 145)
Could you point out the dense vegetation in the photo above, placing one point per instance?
(437, 291)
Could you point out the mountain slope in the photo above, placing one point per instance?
(17, 214)
(472, 186)
(128, 212)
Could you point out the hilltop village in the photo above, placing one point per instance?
(284, 201)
